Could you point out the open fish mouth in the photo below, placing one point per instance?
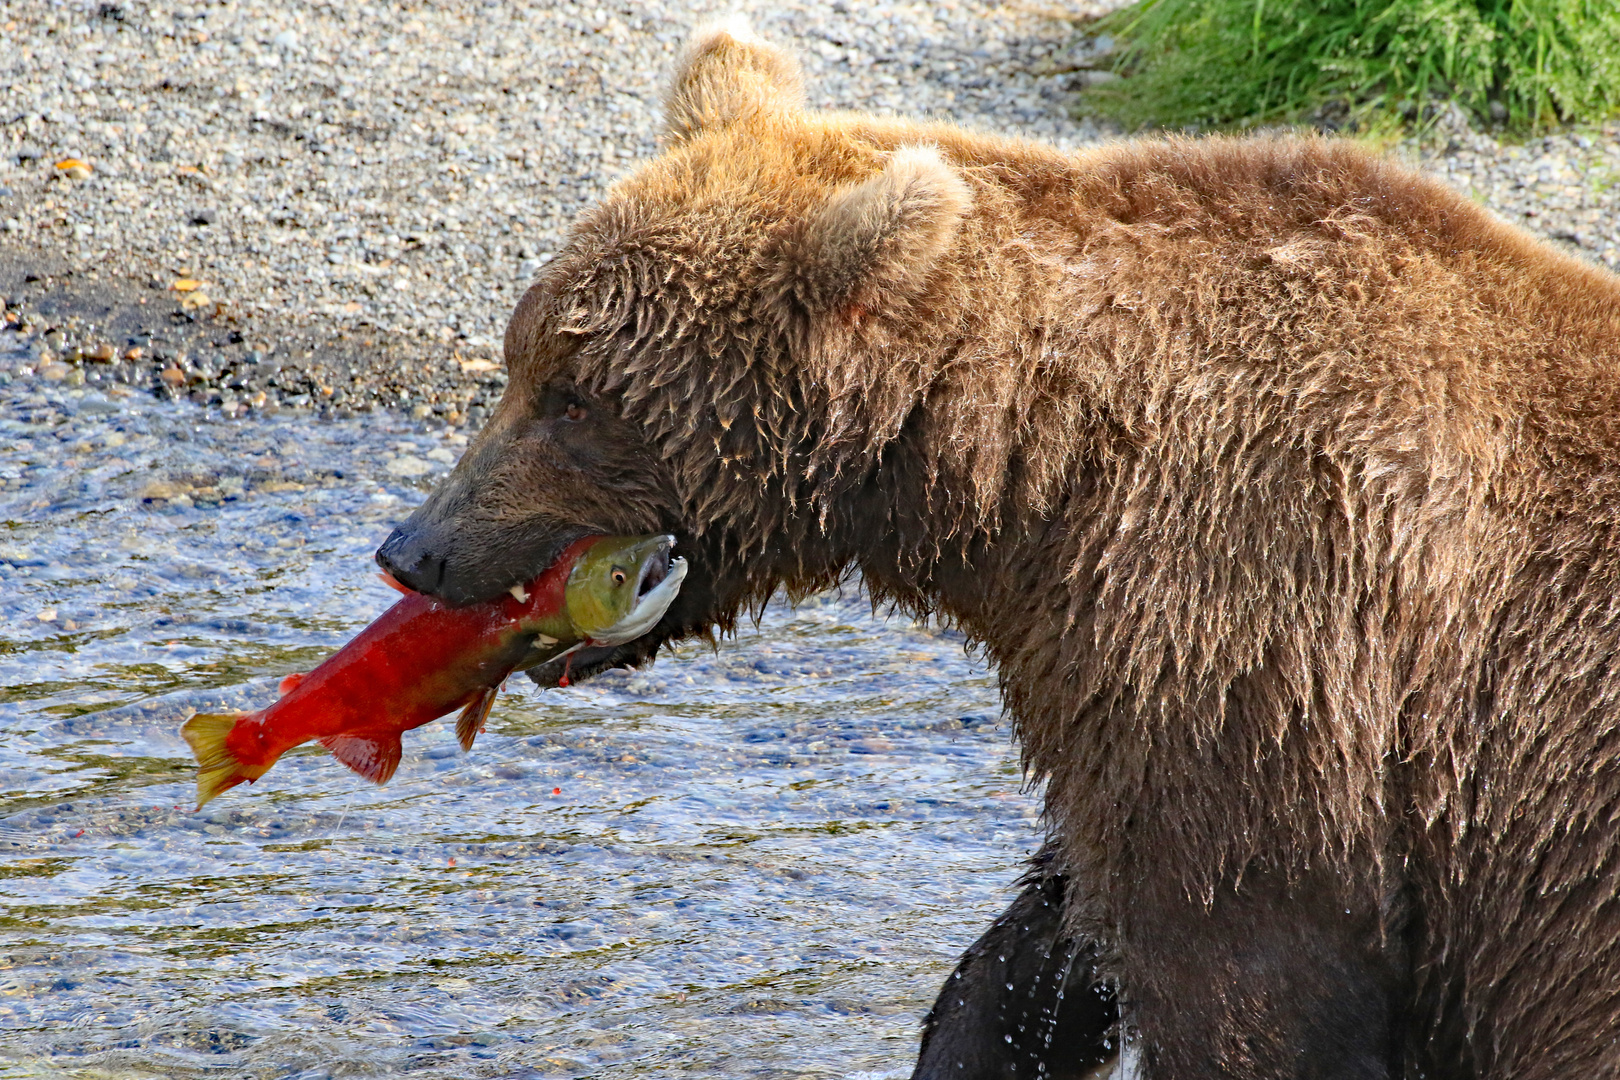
(658, 582)
(655, 568)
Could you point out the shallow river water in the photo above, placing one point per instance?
(756, 862)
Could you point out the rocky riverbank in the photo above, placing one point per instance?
(334, 207)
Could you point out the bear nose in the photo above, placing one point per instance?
(410, 562)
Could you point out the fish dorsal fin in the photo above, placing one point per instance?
(374, 756)
(290, 683)
(471, 720)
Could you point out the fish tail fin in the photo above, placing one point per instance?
(217, 768)
(374, 755)
(471, 720)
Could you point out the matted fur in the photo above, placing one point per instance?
(1281, 485)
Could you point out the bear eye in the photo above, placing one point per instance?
(619, 576)
(575, 411)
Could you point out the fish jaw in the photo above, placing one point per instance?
(650, 607)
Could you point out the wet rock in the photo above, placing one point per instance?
(407, 465)
(156, 490)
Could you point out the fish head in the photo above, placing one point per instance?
(621, 586)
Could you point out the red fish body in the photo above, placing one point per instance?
(418, 661)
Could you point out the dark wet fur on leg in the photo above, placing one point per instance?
(1057, 1020)
(1306, 979)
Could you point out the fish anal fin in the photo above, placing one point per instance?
(374, 755)
(218, 770)
(290, 683)
(471, 720)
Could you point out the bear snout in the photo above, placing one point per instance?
(466, 559)
(404, 556)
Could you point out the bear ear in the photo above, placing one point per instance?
(881, 238)
(728, 74)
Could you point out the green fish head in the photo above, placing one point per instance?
(621, 586)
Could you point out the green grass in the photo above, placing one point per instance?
(1528, 64)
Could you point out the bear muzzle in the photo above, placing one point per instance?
(468, 563)
(408, 560)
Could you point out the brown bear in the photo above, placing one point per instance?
(1281, 484)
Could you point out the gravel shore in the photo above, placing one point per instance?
(335, 207)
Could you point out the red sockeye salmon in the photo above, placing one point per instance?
(422, 659)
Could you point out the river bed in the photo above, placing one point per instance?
(758, 861)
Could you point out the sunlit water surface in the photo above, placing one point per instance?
(758, 862)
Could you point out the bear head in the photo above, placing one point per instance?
(722, 351)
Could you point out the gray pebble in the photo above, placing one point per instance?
(407, 465)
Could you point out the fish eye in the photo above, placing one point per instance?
(575, 411)
(619, 576)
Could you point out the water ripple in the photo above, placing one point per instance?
(752, 862)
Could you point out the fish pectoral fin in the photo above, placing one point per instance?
(471, 720)
(393, 583)
(374, 755)
(290, 683)
(218, 769)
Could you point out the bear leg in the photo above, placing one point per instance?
(1273, 980)
(1023, 1001)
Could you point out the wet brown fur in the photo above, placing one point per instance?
(1280, 483)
